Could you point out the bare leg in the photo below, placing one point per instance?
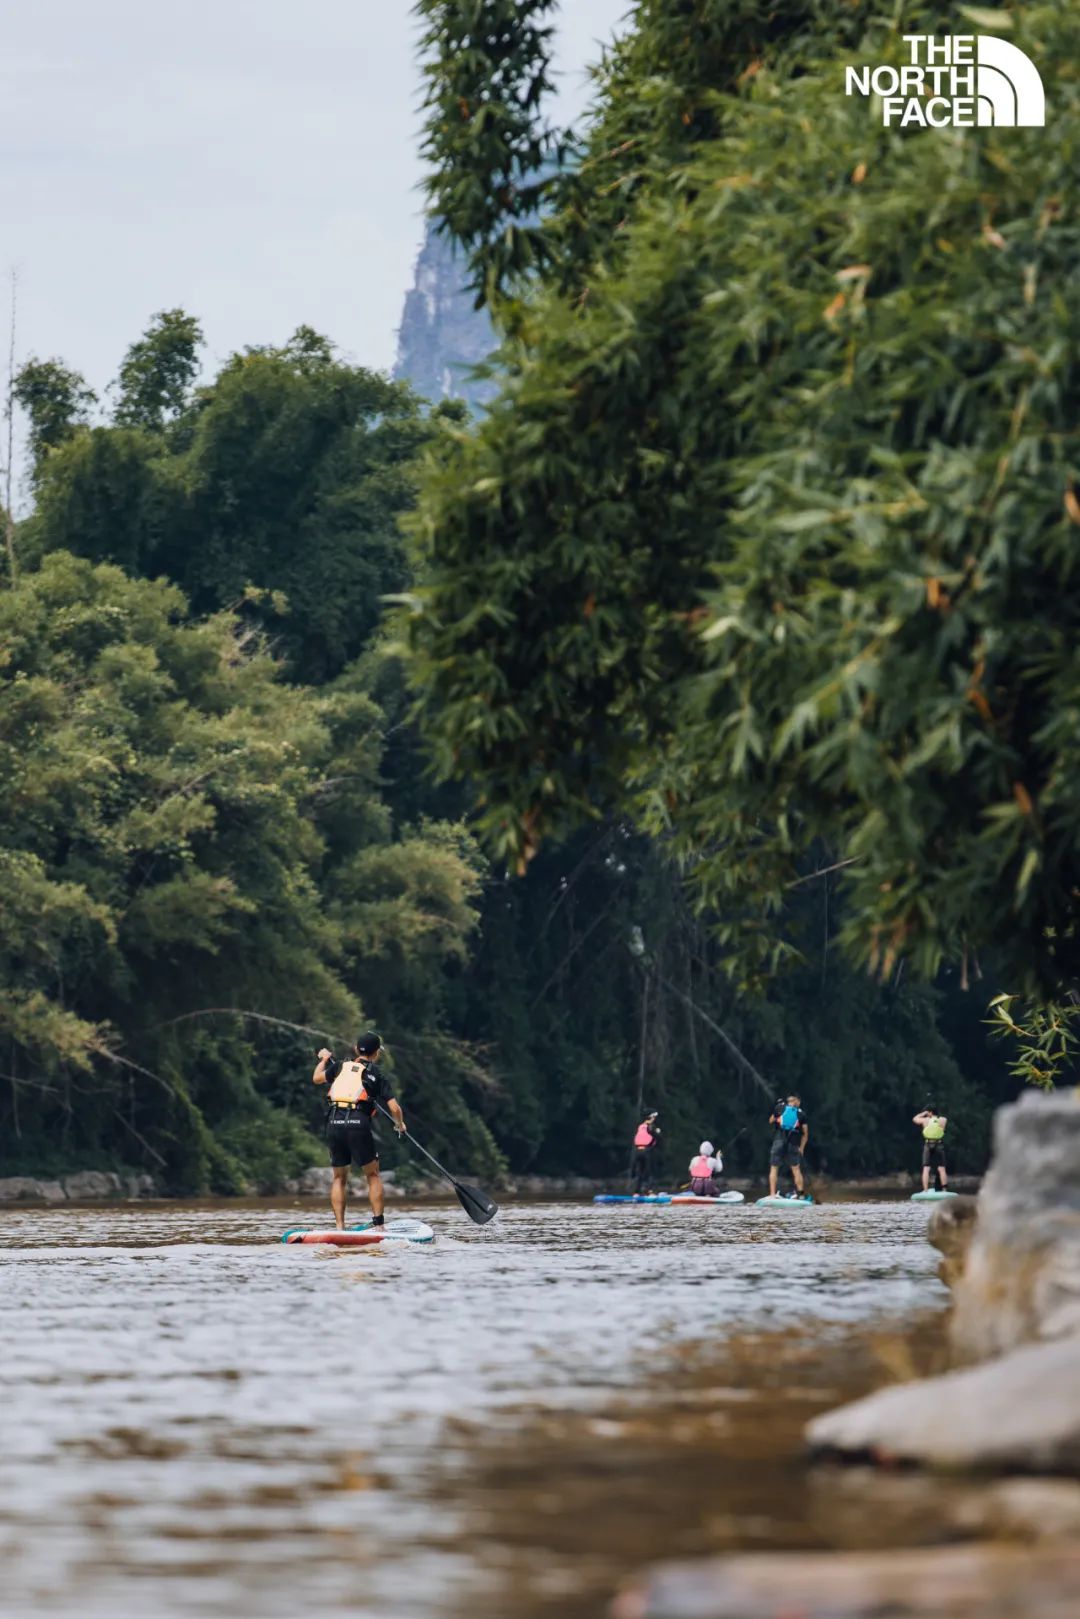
(774, 1175)
(796, 1175)
(943, 1175)
(375, 1186)
(926, 1178)
(339, 1193)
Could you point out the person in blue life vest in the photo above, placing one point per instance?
(932, 1123)
(790, 1134)
(356, 1085)
(644, 1154)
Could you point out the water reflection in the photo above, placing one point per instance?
(199, 1421)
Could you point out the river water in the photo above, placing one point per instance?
(196, 1420)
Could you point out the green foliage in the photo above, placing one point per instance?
(56, 401)
(1045, 1043)
(488, 71)
(165, 808)
(287, 473)
(781, 477)
(158, 371)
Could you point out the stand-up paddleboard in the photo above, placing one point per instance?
(402, 1228)
(631, 1197)
(785, 1202)
(930, 1197)
(363, 1234)
(334, 1239)
(707, 1202)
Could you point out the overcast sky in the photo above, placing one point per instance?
(253, 161)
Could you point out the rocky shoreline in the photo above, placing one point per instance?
(101, 1186)
(1005, 1412)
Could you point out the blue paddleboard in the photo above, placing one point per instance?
(626, 1197)
(930, 1197)
(785, 1202)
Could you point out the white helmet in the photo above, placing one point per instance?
(706, 1149)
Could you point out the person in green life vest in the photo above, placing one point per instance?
(932, 1124)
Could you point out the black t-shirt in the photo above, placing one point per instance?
(376, 1084)
(779, 1128)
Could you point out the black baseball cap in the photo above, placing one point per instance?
(368, 1044)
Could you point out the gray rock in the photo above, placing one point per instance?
(1020, 1412)
(1022, 1508)
(25, 1189)
(951, 1229)
(92, 1184)
(141, 1186)
(1022, 1277)
(318, 1179)
(930, 1582)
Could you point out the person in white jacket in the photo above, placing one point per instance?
(706, 1168)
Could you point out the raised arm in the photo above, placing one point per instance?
(319, 1076)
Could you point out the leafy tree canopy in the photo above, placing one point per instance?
(56, 401)
(771, 535)
(185, 838)
(287, 475)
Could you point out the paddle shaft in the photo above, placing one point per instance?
(416, 1144)
(467, 1197)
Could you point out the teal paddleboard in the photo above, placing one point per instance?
(785, 1202)
(930, 1197)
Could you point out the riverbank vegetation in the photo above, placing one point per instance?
(752, 776)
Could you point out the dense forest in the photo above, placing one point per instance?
(218, 822)
(227, 831)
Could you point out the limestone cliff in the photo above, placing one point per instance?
(442, 336)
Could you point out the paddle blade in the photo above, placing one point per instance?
(477, 1205)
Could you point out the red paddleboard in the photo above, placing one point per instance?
(337, 1239)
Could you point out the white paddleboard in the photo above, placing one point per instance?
(707, 1202)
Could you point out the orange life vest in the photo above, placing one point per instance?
(348, 1087)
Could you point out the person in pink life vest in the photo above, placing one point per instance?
(644, 1151)
(706, 1167)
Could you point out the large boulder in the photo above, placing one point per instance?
(316, 1181)
(1020, 1412)
(92, 1185)
(929, 1582)
(25, 1189)
(1021, 1281)
(951, 1229)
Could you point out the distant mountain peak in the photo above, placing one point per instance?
(442, 336)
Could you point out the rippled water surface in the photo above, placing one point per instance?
(195, 1420)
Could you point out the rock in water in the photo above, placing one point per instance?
(931, 1582)
(951, 1228)
(1020, 1412)
(1022, 1277)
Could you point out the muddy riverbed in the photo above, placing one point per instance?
(199, 1421)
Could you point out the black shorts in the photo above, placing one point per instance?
(351, 1140)
(933, 1155)
(785, 1153)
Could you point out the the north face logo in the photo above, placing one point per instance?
(955, 80)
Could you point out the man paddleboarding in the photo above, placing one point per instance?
(790, 1134)
(356, 1085)
(933, 1126)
